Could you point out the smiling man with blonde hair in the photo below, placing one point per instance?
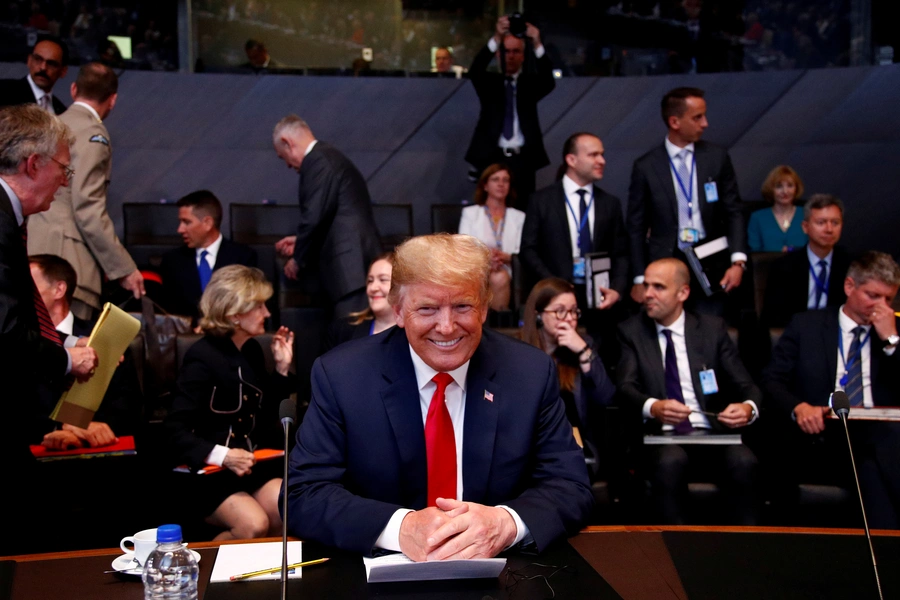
(436, 438)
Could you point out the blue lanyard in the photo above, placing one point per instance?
(584, 217)
(689, 191)
(821, 286)
(497, 231)
(848, 364)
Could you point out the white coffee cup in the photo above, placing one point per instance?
(144, 543)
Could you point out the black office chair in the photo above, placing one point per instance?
(150, 230)
(445, 218)
(394, 223)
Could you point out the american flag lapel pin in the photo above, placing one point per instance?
(488, 396)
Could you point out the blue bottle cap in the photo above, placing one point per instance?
(168, 533)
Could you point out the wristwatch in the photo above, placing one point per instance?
(892, 341)
(586, 356)
(741, 263)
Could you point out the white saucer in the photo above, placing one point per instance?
(126, 565)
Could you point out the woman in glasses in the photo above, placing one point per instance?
(226, 407)
(551, 318)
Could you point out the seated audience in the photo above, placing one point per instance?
(851, 347)
(776, 229)
(497, 225)
(374, 319)
(120, 411)
(226, 406)
(185, 271)
(812, 276)
(258, 59)
(681, 372)
(551, 321)
(437, 439)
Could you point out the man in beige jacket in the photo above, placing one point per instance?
(77, 226)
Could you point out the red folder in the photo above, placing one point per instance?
(124, 446)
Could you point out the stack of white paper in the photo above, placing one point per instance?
(398, 567)
(237, 559)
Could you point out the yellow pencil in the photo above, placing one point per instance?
(277, 569)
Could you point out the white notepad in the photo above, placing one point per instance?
(398, 567)
(237, 559)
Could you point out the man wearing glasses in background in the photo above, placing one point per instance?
(77, 226)
(47, 62)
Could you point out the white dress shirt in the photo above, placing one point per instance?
(212, 252)
(814, 261)
(698, 421)
(847, 325)
(455, 398)
(39, 95)
(574, 204)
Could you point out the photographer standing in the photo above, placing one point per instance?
(508, 130)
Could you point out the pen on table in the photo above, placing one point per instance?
(277, 569)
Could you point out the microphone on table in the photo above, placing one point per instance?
(840, 404)
(286, 412)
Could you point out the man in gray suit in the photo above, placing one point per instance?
(681, 373)
(336, 235)
(77, 226)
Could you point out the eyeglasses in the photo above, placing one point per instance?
(561, 313)
(53, 64)
(69, 171)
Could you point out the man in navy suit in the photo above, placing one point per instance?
(682, 192)
(435, 438)
(47, 62)
(851, 348)
(186, 270)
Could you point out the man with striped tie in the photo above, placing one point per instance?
(34, 162)
(851, 348)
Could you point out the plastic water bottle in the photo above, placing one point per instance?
(171, 570)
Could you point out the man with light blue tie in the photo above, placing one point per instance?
(811, 277)
(185, 271)
(852, 348)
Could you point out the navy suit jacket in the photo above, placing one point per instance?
(653, 207)
(181, 280)
(360, 452)
(787, 288)
(18, 91)
(546, 243)
(642, 373)
(804, 364)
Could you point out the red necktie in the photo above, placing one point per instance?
(48, 331)
(440, 445)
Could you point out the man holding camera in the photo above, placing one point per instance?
(508, 130)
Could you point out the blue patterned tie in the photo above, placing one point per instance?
(854, 387)
(204, 270)
(673, 381)
(820, 284)
(510, 112)
(584, 236)
(684, 218)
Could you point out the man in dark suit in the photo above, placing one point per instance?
(34, 157)
(682, 373)
(435, 438)
(554, 242)
(186, 270)
(336, 237)
(811, 277)
(682, 192)
(508, 129)
(851, 348)
(120, 411)
(47, 62)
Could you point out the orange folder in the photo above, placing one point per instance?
(261, 455)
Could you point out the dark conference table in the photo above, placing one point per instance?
(654, 563)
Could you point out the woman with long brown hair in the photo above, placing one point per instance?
(550, 323)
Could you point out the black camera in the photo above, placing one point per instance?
(517, 25)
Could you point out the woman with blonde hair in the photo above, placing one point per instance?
(778, 229)
(498, 225)
(550, 323)
(226, 406)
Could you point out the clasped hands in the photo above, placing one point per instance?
(456, 530)
(673, 412)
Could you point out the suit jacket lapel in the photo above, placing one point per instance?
(664, 173)
(652, 353)
(480, 426)
(400, 396)
(830, 333)
(599, 217)
(693, 341)
(703, 175)
(560, 213)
